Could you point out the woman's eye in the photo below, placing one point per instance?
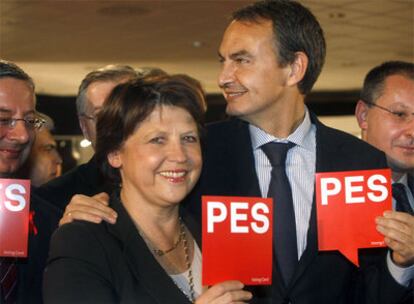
(157, 140)
(190, 138)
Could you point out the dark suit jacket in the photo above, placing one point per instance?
(30, 270)
(106, 263)
(85, 179)
(321, 277)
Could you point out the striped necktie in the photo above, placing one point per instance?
(401, 199)
(8, 280)
(285, 244)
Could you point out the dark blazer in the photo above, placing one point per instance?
(30, 270)
(84, 179)
(321, 277)
(90, 263)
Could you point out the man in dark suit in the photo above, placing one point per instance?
(271, 54)
(385, 114)
(21, 278)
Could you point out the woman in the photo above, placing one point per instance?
(148, 141)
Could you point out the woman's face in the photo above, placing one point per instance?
(161, 161)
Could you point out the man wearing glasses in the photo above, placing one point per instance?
(21, 279)
(385, 114)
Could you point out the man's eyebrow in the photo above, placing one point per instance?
(241, 53)
(8, 111)
(30, 112)
(5, 111)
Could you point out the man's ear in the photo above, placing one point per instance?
(297, 68)
(361, 113)
(114, 159)
(84, 128)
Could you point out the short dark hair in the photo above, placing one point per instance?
(374, 82)
(10, 69)
(132, 102)
(295, 29)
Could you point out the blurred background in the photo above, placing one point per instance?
(58, 42)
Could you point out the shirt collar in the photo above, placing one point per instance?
(301, 136)
(403, 180)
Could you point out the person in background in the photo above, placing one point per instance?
(44, 162)
(86, 178)
(385, 114)
(21, 278)
(148, 142)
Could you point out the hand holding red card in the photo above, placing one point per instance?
(347, 205)
(237, 240)
(14, 217)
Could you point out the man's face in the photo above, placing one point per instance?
(251, 80)
(387, 131)
(16, 101)
(96, 94)
(45, 161)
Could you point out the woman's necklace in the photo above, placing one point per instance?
(160, 253)
(191, 296)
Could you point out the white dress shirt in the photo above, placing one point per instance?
(300, 170)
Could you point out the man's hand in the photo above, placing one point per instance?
(92, 209)
(398, 230)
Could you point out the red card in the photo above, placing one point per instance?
(347, 205)
(237, 239)
(14, 217)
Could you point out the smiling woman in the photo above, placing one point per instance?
(148, 142)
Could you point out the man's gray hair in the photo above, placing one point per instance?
(107, 73)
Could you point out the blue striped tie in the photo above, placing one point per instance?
(401, 199)
(285, 244)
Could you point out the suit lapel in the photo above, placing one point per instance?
(324, 163)
(245, 182)
(142, 263)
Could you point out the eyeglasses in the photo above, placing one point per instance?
(403, 117)
(30, 123)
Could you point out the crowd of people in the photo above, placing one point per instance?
(127, 225)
